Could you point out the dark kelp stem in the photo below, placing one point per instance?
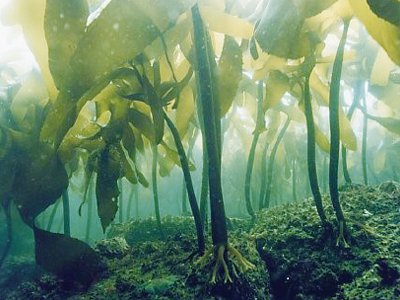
(192, 140)
(312, 170)
(249, 170)
(189, 185)
(207, 90)
(364, 139)
(325, 175)
(335, 134)
(263, 175)
(260, 127)
(6, 204)
(204, 188)
(267, 197)
(350, 113)
(155, 187)
(67, 226)
(294, 179)
(184, 198)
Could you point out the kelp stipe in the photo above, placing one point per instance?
(356, 96)
(311, 165)
(260, 127)
(335, 133)
(205, 73)
(271, 161)
(189, 185)
(6, 204)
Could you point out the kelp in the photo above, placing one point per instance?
(229, 73)
(385, 33)
(260, 127)
(106, 186)
(364, 142)
(271, 161)
(107, 82)
(189, 186)
(356, 96)
(154, 185)
(205, 73)
(69, 258)
(64, 25)
(311, 165)
(6, 204)
(335, 134)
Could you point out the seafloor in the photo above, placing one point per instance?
(294, 257)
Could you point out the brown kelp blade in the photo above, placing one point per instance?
(68, 258)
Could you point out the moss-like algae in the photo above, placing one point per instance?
(313, 267)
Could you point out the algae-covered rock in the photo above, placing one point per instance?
(116, 247)
(160, 285)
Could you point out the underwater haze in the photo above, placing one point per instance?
(209, 149)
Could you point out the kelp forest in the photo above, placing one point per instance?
(209, 149)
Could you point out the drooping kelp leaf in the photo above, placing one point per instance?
(126, 169)
(30, 15)
(154, 101)
(347, 136)
(172, 37)
(185, 110)
(309, 8)
(63, 112)
(106, 186)
(174, 156)
(168, 158)
(166, 165)
(142, 179)
(229, 73)
(70, 259)
(64, 26)
(321, 140)
(142, 122)
(164, 13)
(293, 112)
(106, 112)
(219, 21)
(391, 124)
(265, 64)
(40, 179)
(83, 132)
(119, 34)
(385, 33)
(279, 31)
(276, 85)
(381, 68)
(28, 103)
(172, 90)
(319, 87)
(129, 141)
(386, 9)
(390, 96)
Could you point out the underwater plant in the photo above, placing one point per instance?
(111, 83)
(212, 128)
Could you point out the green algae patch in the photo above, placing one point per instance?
(308, 264)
